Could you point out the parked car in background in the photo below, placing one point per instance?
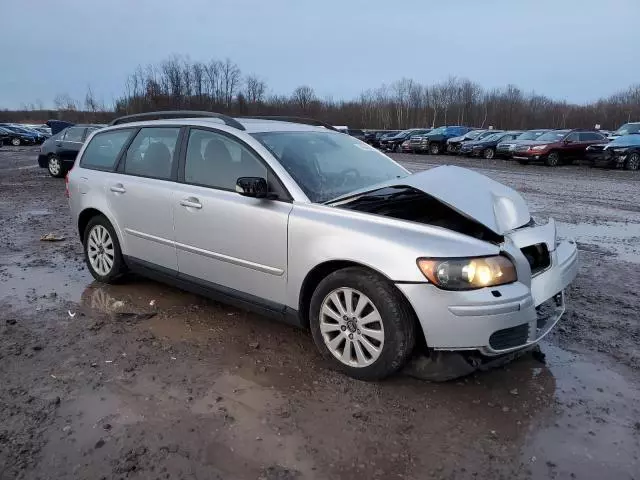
(486, 147)
(626, 129)
(300, 223)
(16, 137)
(22, 136)
(506, 147)
(435, 141)
(394, 142)
(57, 125)
(557, 146)
(58, 153)
(454, 143)
(382, 134)
(412, 144)
(621, 152)
(357, 133)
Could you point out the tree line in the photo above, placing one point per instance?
(178, 83)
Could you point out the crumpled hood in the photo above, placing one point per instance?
(496, 206)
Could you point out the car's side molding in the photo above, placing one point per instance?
(262, 306)
(207, 253)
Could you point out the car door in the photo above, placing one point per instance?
(140, 195)
(572, 146)
(589, 138)
(225, 240)
(70, 143)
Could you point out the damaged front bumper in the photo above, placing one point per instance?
(498, 320)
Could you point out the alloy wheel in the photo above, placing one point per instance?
(15, 142)
(100, 250)
(633, 162)
(54, 166)
(435, 149)
(351, 327)
(489, 153)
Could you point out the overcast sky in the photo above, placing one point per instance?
(574, 49)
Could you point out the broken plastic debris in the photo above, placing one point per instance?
(152, 303)
(173, 358)
(72, 314)
(108, 361)
(53, 376)
(117, 304)
(51, 237)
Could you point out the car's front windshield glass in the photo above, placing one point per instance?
(492, 137)
(327, 165)
(633, 139)
(530, 135)
(628, 128)
(486, 134)
(473, 134)
(552, 136)
(438, 131)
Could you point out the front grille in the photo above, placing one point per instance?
(509, 337)
(522, 148)
(538, 257)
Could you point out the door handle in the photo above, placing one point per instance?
(118, 188)
(191, 202)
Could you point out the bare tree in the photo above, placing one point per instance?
(230, 81)
(303, 96)
(255, 89)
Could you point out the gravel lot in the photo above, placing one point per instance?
(141, 380)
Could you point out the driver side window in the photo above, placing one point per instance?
(215, 160)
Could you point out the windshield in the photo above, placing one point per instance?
(633, 139)
(484, 135)
(438, 131)
(327, 165)
(473, 134)
(493, 137)
(531, 135)
(628, 128)
(552, 136)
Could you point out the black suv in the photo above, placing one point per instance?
(58, 153)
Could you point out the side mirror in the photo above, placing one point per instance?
(255, 187)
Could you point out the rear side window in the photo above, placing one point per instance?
(215, 160)
(151, 153)
(103, 149)
(590, 136)
(74, 134)
(573, 137)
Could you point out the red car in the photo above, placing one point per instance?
(557, 146)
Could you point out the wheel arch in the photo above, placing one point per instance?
(87, 214)
(324, 269)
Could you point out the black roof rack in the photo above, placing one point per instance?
(303, 120)
(139, 117)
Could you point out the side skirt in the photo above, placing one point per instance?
(219, 293)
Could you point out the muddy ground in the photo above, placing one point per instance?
(141, 380)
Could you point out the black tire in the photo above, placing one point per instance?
(55, 167)
(633, 162)
(118, 268)
(434, 148)
(398, 148)
(552, 160)
(15, 141)
(397, 319)
(523, 162)
(489, 153)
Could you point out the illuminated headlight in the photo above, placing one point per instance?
(468, 273)
(539, 147)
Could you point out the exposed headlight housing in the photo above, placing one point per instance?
(539, 147)
(468, 273)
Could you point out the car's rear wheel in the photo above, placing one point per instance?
(361, 324)
(15, 141)
(102, 250)
(489, 153)
(434, 148)
(633, 162)
(54, 165)
(398, 148)
(553, 159)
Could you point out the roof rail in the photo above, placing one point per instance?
(139, 117)
(303, 120)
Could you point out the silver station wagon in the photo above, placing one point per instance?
(294, 220)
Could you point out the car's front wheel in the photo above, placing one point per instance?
(633, 162)
(54, 165)
(434, 149)
(361, 323)
(553, 159)
(102, 250)
(15, 141)
(489, 153)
